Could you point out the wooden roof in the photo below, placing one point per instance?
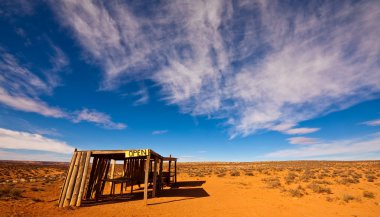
(121, 154)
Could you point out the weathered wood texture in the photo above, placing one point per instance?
(72, 190)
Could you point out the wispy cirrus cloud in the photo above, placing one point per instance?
(20, 89)
(256, 65)
(337, 148)
(302, 140)
(10, 139)
(372, 123)
(98, 118)
(159, 132)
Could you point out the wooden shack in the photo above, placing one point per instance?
(86, 180)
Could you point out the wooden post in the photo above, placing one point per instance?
(84, 179)
(170, 169)
(112, 171)
(92, 177)
(72, 181)
(67, 180)
(160, 176)
(105, 177)
(175, 171)
(154, 177)
(147, 164)
(78, 179)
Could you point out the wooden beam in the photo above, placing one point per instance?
(78, 179)
(147, 164)
(84, 178)
(160, 174)
(67, 180)
(112, 170)
(70, 187)
(92, 177)
(154, 177)
(175, 171)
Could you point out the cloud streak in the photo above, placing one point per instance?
(255, 65)
(20, 89)
(302, 141)
(159, 132)
(324, 150)
(98, 118)
(10, 139)
(373, 123)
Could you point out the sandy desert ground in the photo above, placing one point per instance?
(296, 188)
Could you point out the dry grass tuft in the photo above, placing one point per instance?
(368, 194)
(249, 173)
(347, 197)
(290, 178)
(235, 173)
(272, 182)
(319, 188)
(299, 191)
(10, 193)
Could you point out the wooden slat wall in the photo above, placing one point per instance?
(73, 187)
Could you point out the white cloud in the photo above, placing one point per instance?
(373, 123)
(159, 132)
(302, 141)
(143, 95)
(98, 118)
(10, 139)
(256, 65)
(301, 130)
(30, 105)
(325, 150)
(14, 155)
(21, 90)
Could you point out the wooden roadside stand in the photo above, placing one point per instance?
(85, 181)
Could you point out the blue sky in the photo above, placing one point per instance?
(202, 80)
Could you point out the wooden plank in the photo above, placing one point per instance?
(113, 162)
(78, 179)
(154, 177)
(105, 176)
(70, 187)
(160, 174)
(84, 178)
(147, 163)
(98, 178)
(175, 171)
(67, 180)
(92, 177)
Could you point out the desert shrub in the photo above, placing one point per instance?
(290, 178)
(322, 182)
(248, 173)
(272, 182)
(10, 193)
(319, 188)
(199, 174)
(371, 178)
(221, 175)
(346, 181)
(235, 173)
(36, 189)
(346, 198)
(307, 175)
(37, 200)
(368, 194)
(297, 192)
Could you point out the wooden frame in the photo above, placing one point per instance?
(86, 181)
